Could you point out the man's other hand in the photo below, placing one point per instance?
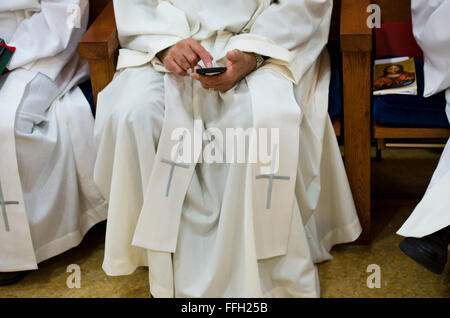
(184, 55)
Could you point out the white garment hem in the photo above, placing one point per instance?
(119, 267)
(342, 235)
(61, 245)
(282, 291)
(160, 292)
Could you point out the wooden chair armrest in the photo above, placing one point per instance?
(355, 35)
(100, 41)
(100, 46)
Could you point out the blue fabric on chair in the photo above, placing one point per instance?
(86, 88)
(411, 111)
(335, 91)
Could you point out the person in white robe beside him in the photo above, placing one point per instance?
(203, 227)
(48, 196)
(427, 230)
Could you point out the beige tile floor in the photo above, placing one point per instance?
(402, 172)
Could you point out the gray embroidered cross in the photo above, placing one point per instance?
(3, 204)
(271, 177)
(174, 164)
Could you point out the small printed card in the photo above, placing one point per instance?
(395, 76)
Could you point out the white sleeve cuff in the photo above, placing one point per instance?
(132, 58)
(280, 59)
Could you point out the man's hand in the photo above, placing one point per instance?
(239, 65)
(184, 55)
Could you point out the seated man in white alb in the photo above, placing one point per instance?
(428, 228)
(48, 199)
(204, 225)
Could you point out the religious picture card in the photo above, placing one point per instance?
(395, 76)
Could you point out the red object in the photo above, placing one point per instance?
(396, 39)
(11, 48)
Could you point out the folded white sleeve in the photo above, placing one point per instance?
(48, 32)
(146, 27)
(292, 33)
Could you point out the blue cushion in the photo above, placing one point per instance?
(412, 111)
(86, 88)
(335, 92)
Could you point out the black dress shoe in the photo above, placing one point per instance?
(430, 251)
(7, 279)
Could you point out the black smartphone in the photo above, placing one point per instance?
(211, 70)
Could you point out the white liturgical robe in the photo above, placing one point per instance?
(431, 24)
(206, 228)
(48, 198)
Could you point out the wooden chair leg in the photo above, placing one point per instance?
(357, 134)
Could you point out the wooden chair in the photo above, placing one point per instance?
(359, 129)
